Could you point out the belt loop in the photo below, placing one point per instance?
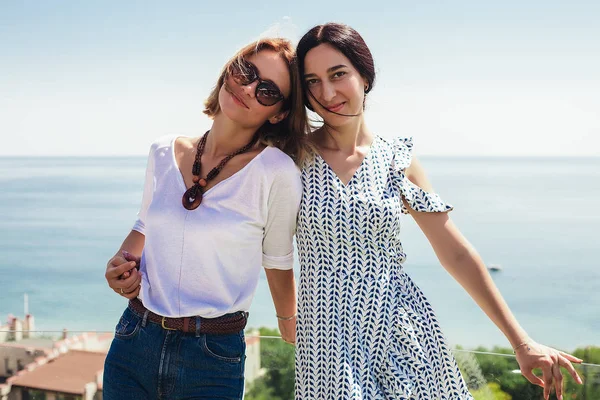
(145, 318)
(197, 326)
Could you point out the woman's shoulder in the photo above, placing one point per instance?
(277, 167)
(164, 142)
(398, 149)
(274, 158)
(397, 142)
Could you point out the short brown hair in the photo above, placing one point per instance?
(289, 134)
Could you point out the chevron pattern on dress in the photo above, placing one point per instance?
(365, 331)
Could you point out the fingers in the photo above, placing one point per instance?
(566, 364)
(129, 287)
(113, 272)
(531, 377)
(548, 377)
(550, 362)
(128, 283)
(128, 295)
(131, 283)
(127, 256)
(570, 357)
(130, 257)
(131, 290)
(117, 260)
(133, 294)
(558, 380)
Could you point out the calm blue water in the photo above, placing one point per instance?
(62, 218)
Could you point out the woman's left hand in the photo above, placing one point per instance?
(534, 355)
(288, 330)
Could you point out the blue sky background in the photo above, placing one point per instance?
(464, 77)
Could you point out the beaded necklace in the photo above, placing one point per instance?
(193, 196)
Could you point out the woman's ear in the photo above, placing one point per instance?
(278, 117)
(366, 84)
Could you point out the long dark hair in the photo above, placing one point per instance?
(346, 40)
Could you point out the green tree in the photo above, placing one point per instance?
(493, 392)
(260, 391)
(277, 357)
(590, 389)
(494, 378)
(498, 370)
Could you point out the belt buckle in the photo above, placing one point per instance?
(162, 323)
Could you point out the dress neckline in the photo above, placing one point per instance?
(358, 170)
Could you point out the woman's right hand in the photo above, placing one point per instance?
(123, 277)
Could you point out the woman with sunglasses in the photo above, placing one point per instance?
(365, 330)
(214, 209)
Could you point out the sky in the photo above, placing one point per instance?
(464, 77)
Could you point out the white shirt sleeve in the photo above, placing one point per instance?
(140, 223)
(283, 206)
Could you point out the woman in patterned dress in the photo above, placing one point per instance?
(364, 329)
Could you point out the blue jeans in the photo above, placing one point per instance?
(148, 362)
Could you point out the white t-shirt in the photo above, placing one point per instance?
(207, 261)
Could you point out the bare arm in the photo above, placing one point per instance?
(465, 265)
(463, 262)
(133, 243)
(283, 291)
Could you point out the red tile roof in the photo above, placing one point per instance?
(68, 373)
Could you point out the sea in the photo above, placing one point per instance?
(61, 219)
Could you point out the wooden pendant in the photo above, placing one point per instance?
(192, 198)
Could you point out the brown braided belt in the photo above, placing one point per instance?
(230, 323)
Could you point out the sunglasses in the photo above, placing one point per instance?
(244, 73)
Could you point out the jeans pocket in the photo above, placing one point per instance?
(229, 348)
(128, 325)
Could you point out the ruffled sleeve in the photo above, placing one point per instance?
(418, 199)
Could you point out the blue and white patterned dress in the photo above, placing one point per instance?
(365, 331)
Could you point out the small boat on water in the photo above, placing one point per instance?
(494, 267)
